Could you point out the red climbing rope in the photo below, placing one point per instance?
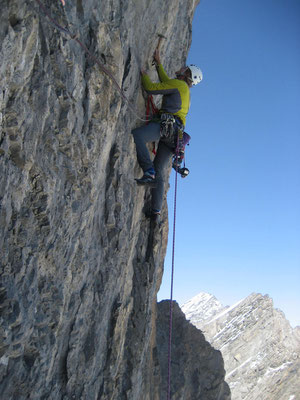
(150, 104)
(172, 285)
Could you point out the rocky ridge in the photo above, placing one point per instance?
(261, 350)
(80, 265)
(188, 344)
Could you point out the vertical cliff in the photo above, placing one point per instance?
(80, 265)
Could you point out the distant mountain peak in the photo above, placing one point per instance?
(202, 307)
(259, 346)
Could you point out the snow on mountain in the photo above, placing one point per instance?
(202, 308)
(261, 350)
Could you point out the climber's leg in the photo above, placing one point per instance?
(161, 162)
(143, 135)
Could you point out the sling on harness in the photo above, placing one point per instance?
(167, 128)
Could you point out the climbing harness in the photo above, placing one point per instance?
(172, 133)
(91, 56)
(170, 128)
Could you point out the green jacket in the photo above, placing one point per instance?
(176, 93)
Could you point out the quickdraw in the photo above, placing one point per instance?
(167, 129)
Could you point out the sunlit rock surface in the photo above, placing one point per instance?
(80, 264)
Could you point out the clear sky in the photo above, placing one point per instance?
(238, 212)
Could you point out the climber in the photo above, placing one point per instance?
(164, 127)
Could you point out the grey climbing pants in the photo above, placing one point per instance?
(143, 135)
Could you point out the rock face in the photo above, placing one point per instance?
(80, 265)
(197, 369)
(261, 350)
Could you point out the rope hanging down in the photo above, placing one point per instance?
(92, 56)
(172, 284)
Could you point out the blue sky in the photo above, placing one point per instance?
(238, 212)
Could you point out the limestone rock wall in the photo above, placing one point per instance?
(80, 265)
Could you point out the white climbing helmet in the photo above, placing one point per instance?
(196, 73)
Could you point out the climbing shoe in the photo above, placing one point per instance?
(153, 215)
(147, 179)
